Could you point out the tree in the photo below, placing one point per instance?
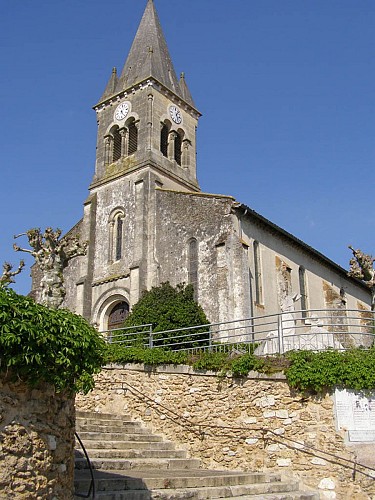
(168, 308)
(52, 254)
(361, 267)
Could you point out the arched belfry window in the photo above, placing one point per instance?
(178, 148)
(133, 138)
(164, 140)
(116, 235)
(116, 144)
(193, 265)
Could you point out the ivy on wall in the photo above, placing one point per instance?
(304, 370)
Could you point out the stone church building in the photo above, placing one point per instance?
(147, 221)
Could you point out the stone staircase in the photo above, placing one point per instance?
(131, 463)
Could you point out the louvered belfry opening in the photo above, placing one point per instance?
(178, 148)
(164, 140)
(133, 139)
(116, 145)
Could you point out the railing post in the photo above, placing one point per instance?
(280, 333)
(150, 339)
(210, 340)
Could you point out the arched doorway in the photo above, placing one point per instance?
(117, 315)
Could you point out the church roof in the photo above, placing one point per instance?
(149, 57)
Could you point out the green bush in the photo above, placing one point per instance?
(353, 369)
(38, 344)
(168, 308)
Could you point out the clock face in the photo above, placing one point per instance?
(122, 110)
(175, 114)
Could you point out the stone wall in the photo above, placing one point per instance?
(36, 442)
(245, 410)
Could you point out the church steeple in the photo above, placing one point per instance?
(149, 56)
(147, 118)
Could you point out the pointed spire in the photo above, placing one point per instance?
(185, 92)
(149, 55)
(111, 85)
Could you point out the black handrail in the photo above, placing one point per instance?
(92, 483)
(267, 434)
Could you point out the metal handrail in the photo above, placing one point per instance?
(325, 328)
(92, 482)
(267, 434)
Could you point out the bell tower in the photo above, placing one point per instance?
(146, 116)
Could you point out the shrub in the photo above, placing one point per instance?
(38, 344)
(168, 308)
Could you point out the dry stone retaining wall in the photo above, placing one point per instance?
(36, 442)
(245, 408)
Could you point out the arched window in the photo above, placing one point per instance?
(178, 148)
(117, 316)
(164, 140)
(116, 231)
(193, 265)
(133, 138)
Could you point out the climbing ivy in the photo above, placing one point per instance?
(304, 370)
(353, 369)
(39, 344)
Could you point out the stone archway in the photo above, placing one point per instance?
(117, 315)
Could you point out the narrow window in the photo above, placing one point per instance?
(258, 274)
(133, 138)
(164, 140)
(303, 290)
(116, 145)
(178, 148)
(119, 226)
(193, 265)
(116, 239)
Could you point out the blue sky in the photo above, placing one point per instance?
(286, 89)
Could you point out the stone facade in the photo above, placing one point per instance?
(244, 411)
(36, 442)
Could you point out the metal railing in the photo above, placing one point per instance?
(241, 433)
(313, 329)
(92, 480)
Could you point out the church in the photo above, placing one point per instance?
(148, 222)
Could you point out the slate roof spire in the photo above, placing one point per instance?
(149, 57)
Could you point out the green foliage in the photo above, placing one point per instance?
(168, 308)
(38, 344)
(116, 353)
(304, 370)
(353, 369)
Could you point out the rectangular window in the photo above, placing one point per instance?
(258, 273)
(303, 291)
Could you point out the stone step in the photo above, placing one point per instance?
(119, 436)
(98, 416)
(206, 492)
(106, 422)
(133, 427)
(132, 453)
(138, 463)
(291, 495)
(198, 478)
(94, 444)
